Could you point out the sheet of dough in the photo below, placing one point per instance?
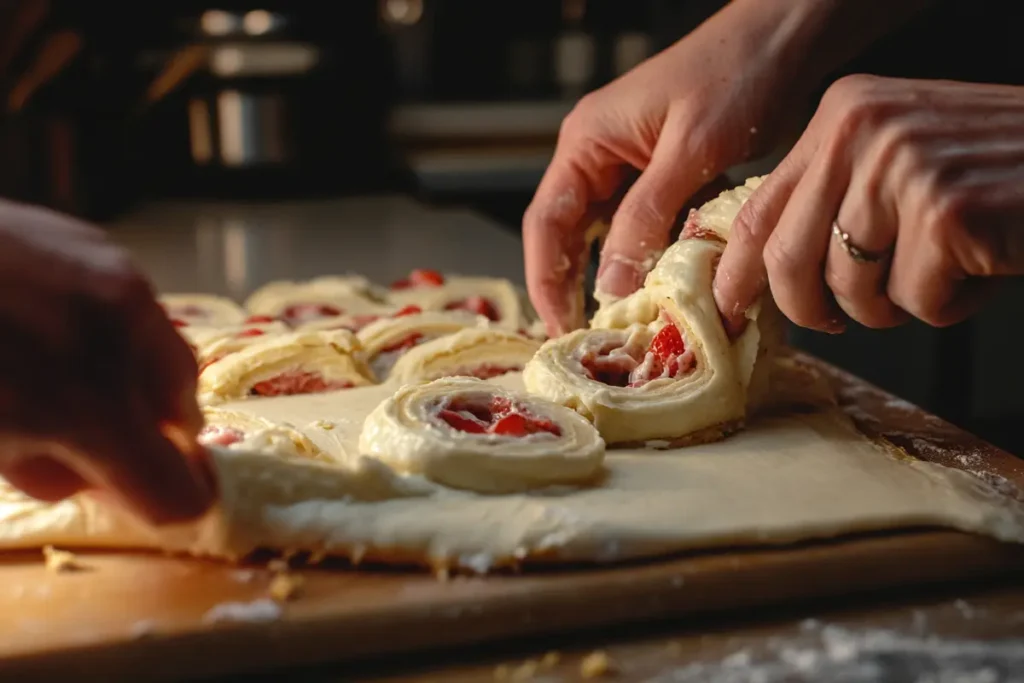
(782, 480)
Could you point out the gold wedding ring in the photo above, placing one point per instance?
(856, 253)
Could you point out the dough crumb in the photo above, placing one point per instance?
(550, 660)
(597, 664)
(285, 587)
(278, 565)
(58, 561)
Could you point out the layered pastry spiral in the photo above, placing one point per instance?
(481, 352)
(300, 303)
(496, 299)
(286, 364)
(205, 310)
(240, 431)
(469, 434)
(658, 366)
(387, 340)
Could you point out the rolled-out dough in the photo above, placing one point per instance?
(784, 479)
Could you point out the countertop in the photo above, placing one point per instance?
(233, 248)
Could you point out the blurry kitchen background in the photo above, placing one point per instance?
(107, 105)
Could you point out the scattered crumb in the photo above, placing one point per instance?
(285, 587)
(58, 561)
(753, 130)
(278, 565)
(324, 424)
(550, 660)
(596, 664)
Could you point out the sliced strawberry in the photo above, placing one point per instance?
(462, 422)
(404, 343)
(404, 283)
(476, 304)
(292, 383)
(220, 436)
(668, 343)
(259, 319)
(299, 313)
(513, 424)
(408, 310)
(253, 332)
(421, 277)
(487, 371)
(178, 322)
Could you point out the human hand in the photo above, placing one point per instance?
(926, 177)
(97, 390)
(683, 116)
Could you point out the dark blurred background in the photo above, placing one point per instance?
(106, 105)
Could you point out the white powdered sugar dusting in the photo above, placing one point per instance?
(827, 652)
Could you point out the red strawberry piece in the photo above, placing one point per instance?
(292, 383)
(249, 333)
(404, 283)
(259, 319)
(461, 422)
(178, 322)
(421, 277)
(513, 424)
(403, 343)
(668, 343)
(475, 304)
(412, 309)
(302, 312)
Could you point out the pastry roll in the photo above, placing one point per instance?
(386, 340)
(354, 323)
(471, 352)
(239, 431)
(205, 310)
(298, 303)
(210, 344)
(658, 365)
(496, 299)
(469, 434)
(284, 365)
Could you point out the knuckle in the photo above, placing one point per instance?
(751, 225)
(578, 118)
(780, 262)
(842, 283)
(641, 213)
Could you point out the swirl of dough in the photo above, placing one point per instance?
(658, 365)
(286, 364)
(210, 344)
(299, 303)
(206, 310)
(481, 352)
(240, 431)
(495, 298)
(386, 340)
(469, 434)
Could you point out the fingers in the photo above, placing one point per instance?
(43, 478)
(859, 288)
(554, 248)
(137, 464)
(741, 276)
(794, 255)
(641, 226)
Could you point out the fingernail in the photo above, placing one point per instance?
(619, 279)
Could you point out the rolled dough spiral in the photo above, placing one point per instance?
(701, 390)
(480, 352)
(422, 429)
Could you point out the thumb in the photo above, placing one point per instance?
(642, 225)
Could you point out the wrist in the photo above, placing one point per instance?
(805, 40)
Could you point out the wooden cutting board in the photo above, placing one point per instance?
(132, 617)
